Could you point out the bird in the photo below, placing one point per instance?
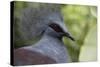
(48, 22)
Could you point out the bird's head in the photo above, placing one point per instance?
(56, 27)
(60, 30)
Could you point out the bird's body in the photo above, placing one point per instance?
(50, 48)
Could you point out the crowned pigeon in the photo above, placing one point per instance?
(46, 21)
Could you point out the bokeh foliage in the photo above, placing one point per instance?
(79, 20)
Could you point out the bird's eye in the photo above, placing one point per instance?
(56, 27)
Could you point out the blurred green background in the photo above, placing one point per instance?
(81, 21)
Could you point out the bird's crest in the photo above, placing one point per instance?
(34, 19)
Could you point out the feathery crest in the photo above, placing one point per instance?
(34, 19)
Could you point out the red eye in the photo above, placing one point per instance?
(56, 27)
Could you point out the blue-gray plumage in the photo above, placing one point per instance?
(49, 24)
(51, 46)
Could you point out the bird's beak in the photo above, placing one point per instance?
(66, 33)
(69, 36)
